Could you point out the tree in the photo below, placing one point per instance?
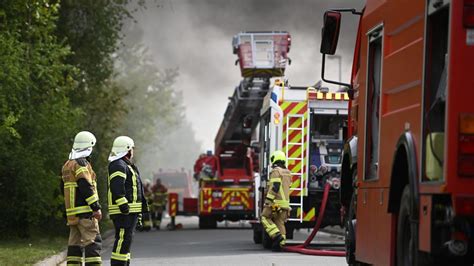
(35, 113)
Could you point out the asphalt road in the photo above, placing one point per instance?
(227, 245)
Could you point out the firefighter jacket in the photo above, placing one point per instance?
(125, 190)
(80, 190)
(278, 189)
(148, 195)
(160, 195)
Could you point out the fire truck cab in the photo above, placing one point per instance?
(408, 165)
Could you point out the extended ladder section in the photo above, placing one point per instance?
(242, 113)
(295, 150)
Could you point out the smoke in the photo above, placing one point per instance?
(195, 36)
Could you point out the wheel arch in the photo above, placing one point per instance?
(404, 172)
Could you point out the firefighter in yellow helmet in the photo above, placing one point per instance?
(126, 198)
(277, 206)
(82, 203)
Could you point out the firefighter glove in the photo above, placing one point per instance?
(124, 209)
(139, 226)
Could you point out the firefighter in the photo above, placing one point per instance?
(147, 224)
(198, 166)
(160, 197)
(277, 206)
(82, 203)
(126, 198)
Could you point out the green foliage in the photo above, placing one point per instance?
(92, 29)
(64, 68)
(29, 251)
(35, 112)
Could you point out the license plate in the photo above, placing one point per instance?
(235, 207)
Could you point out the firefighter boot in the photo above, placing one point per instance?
(278, 242)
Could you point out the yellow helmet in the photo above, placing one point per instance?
(277, 156)
(121, 146)
(84, 140)
(82, 146)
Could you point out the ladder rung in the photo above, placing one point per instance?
(296, 174)
(295, 219)
(295, 144)
(295, 159)
(296, 188)
(295, 204)
(295, 129)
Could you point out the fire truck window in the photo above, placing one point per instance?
(436, 68)
(374, 66)
(327, 126)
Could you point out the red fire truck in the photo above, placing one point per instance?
(227, 193)
(408, 168)
(227, 185)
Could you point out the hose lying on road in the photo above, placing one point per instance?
(304, 248)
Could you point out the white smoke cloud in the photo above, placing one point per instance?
(195, 36)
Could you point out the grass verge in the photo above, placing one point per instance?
(31, 250)
(28, 251)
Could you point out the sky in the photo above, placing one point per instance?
(195, 36)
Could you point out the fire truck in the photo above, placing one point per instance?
(308, 125)
(227, 193)
(408, 166)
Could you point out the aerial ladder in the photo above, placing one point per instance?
(227, 191)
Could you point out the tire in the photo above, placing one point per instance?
(257, 234)
(405, 235)
(212, 223)
(203, 222)
(266, 240)
(407, 238)
(350, 232)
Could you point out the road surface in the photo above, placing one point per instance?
(231, 245)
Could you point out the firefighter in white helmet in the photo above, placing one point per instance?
(277, 206)
(82, 203)
(126, 198)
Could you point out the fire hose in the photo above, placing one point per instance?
(304, 248)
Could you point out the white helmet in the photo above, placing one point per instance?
(122, 145)
(83, 143)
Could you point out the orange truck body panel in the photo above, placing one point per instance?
(401, 110)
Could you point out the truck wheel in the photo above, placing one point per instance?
(203, 222)
(212, 223)
(266, 240)
(350, 232)
(405, 233)
(257, 234)
(350, 242)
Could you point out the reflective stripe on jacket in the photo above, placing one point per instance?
(280, 180)
(80, 189)
(124, 187)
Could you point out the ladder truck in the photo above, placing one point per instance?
(227, 190)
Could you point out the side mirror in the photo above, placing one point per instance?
(330, 32)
